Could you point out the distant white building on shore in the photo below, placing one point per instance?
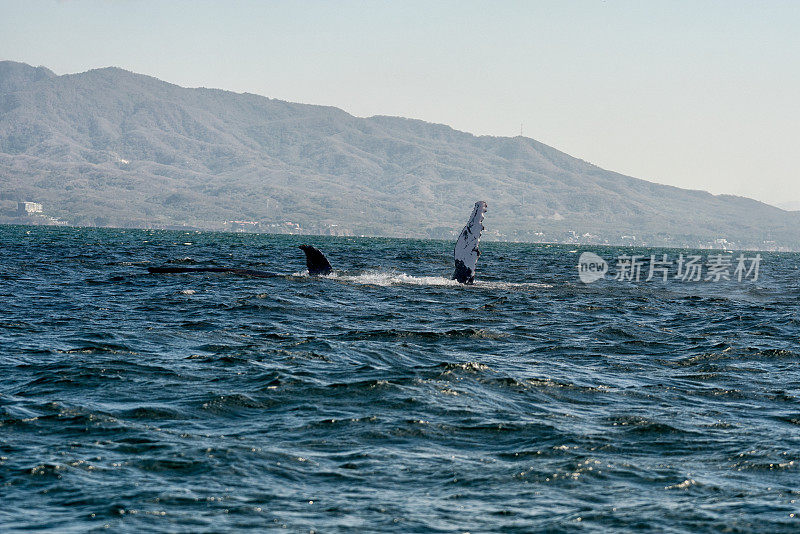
(28, 208)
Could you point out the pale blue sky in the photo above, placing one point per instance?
(699, 94)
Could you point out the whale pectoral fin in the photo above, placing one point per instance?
(466, 252)
(463, 274)
(316, 262)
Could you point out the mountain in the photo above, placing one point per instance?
(16, 76)
(790, 206)
(111, 147)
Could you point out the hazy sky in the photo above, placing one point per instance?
(698, 94)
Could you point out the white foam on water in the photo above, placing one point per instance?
(390, 278)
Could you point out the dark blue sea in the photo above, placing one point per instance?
(385, 397)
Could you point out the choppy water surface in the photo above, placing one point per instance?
(386, 397)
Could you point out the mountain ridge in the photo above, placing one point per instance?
(112, 147)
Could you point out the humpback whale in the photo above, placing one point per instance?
(466, 252)
(316, 262)
(465, 256)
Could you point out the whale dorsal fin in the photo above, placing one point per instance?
(466, 252)
(316, 261)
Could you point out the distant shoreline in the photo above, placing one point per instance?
(592, 246)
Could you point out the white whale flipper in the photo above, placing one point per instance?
(466, 252)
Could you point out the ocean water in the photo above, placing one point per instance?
(386, 398)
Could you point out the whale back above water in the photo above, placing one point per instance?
(316, 262)
(168, 269)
